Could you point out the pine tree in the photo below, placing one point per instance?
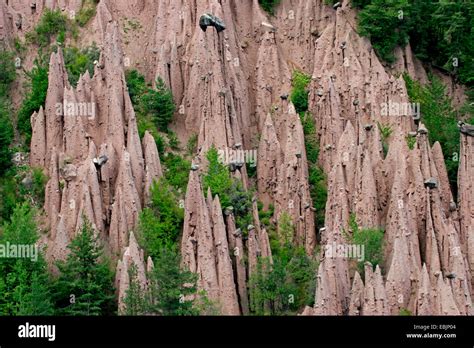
(135, 297)
(169, 289)
(85, 284)
(38, 300)
(170, 286)
(24, 282)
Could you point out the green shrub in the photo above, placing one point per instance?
(229, 189)
(269, 5)
(159, 103)
(7, 72)
(287, 285)
(52, 23)
(411, 141)
(19, 46)
(36, 192)
(440, 32)
(405, 312)
(173, 141)
(385, 133)
(6, 137)
(9, 191)
(191, 146)
(160, 224)
(440, 118)
(77, 61)
(136, 85)
(176, 170)
(299, 93)
(265, 216)
(34, 99)
(372, 240)
(317, 178)
(360, 3)
(217, 178)
(86, 275)
(154, 108)
(86, 12)
(14, 192)
(380, 21)
(318, 193)
(169, 289)
(24, 282)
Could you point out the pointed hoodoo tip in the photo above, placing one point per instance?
(209, 20)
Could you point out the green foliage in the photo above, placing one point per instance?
(360, 3)
(24, 288)
(405, 312)
(380, 21)
(35, 192)
(135, 298)
(287, 285)
(131, 24)
(7, 76)
(14, 192)
(9, 193)
(176, 171)
(317, 178)
(318, 192)
(269, 5)
(87, 12)
(7, 71)
(218, 178)
(136, 85)
(173, 141)
(299, 93)
(441, 33)
(191, 146)
(385, 133)
(6, 137)
(159, 103)
(371, 239)
(311, 141)
(411, 141)
(285, 229)
(169, 286)
(265, 216)
(168, 292)
(440, 118)
(19, 46)
(79, 61)
(34, 99)
(85, 284)
(161, 223)
(51, 24)
(145, 123)
(154, 108)
(230, 190)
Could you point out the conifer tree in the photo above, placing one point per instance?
(85, 284)
(24, 282)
